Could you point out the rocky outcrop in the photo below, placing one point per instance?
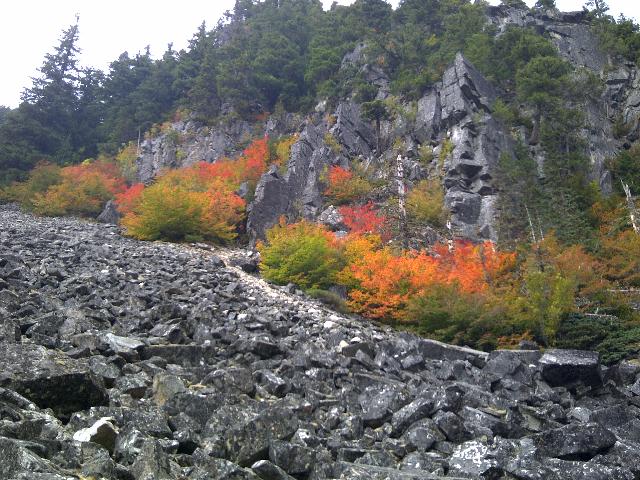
(297, 192)
(457, 112)
(617, 104)
(454, 116)
(184, 143)
(168, 364)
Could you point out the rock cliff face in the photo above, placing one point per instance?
(458, 110)
(129, 360)
(298, 193)
(454, 115)
(187, 142)
(619, 101)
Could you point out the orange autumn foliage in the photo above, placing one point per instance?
(82, 190)
(344, 186)
(383, 282)
(473, 266)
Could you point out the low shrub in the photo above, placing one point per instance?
(302, 253)
(80, 190)
(425, 204)
(329, 298)
(180, 206)
(345, 186)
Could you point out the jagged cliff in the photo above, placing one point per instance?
(457, 109)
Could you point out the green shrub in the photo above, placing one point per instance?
(300, 253)
(504, 112)
(613, 338)
(425, 153)
(329, 298)
(425, 203)
(43, 176)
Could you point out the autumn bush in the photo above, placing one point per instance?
(302, 253)
(43, 176)
(194, 203)
(183, 204)
(621, 258)
(82, 189)
(248, 167)
(468, 293)
(345, 186)
(383, 282)
(364, 219)
(425, 204)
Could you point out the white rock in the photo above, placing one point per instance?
(103, 432)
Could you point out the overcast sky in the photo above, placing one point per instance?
(31, 28)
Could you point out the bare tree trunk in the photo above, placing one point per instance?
(632, 208)
(401, 200)
(533, 232)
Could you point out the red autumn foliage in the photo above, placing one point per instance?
(248, 167)
(363, 219)
(344, 186)
(128, 199)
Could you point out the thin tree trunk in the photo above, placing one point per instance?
(631, 207)
(533, 232)
(401, 200)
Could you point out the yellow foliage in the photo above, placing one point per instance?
(425, 203)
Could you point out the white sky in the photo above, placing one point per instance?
(31, 28)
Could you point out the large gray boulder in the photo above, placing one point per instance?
(575, 442)
(570, 367)
(50, 379)
(110, 214)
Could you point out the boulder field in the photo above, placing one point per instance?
(129, 360)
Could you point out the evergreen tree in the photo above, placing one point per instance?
(59, 113)
(4, 112)
(541, 84)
